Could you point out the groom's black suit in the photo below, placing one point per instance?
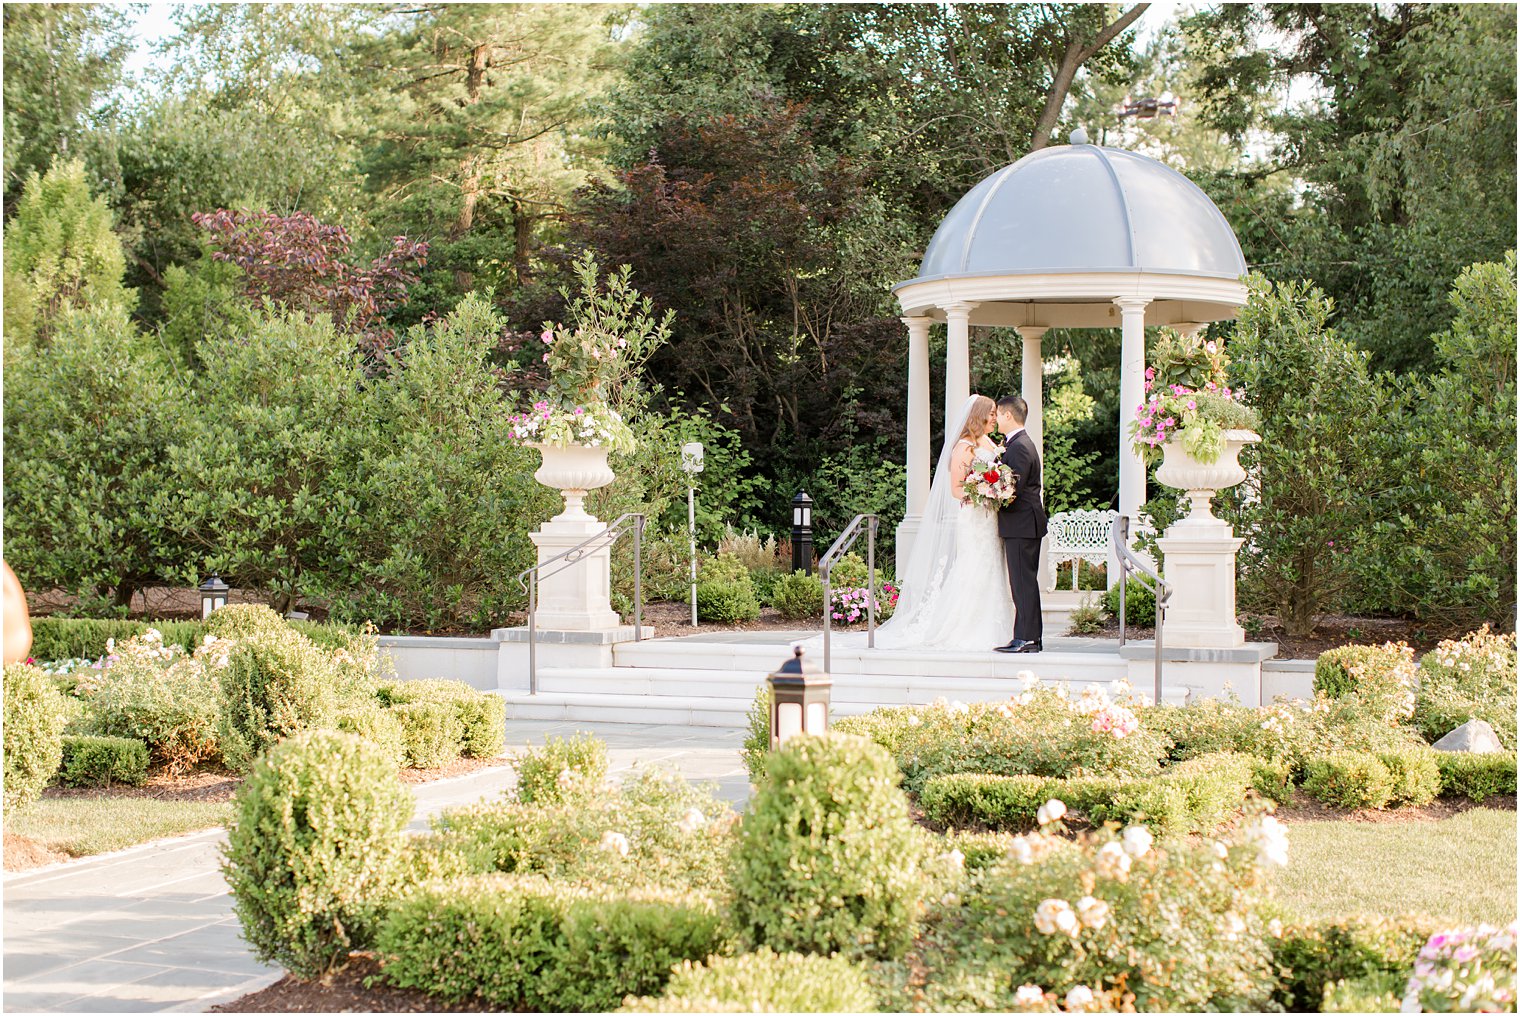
(1022, 525)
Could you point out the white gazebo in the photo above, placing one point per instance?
(1074, 236)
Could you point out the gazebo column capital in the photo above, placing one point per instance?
(1132, 303)
(1032, 332)
(959, 311)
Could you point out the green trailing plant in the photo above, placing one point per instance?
(90, 761)
(828, 859)
(763, 981)
(314, 849)
(34, 722)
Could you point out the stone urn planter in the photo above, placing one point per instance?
(573, 470)
(1201, 480)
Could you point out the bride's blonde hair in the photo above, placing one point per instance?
(976, 420)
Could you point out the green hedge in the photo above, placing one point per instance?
(764, 981)
(482, 718)
(1475, 777)
(65, 638)
(1192, 796)
(35, 715)
(529, 944)
(101, 761)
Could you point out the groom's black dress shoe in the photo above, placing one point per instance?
(1029, 647)
(1016, 646)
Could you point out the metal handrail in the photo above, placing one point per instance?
(529, 579)
(1132, 563)
(838, 549)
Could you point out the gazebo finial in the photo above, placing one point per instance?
(1079, 136)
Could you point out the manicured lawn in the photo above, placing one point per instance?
(83, 825)
(1461, 868)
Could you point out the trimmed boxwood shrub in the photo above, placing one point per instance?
(764, 981)
(540, 771)
(1315, 956)
(66, 638)
(380, 727)
(1193, 796)
(1139, 604)
(1475, 777)
(828, 858)
(314, 849)
(35, 715)
(101, 761)
(798, 596)
(1416, 777)
(530, 944)
(431, 733)
(727, 602)
(1349, 779)
(483, 717)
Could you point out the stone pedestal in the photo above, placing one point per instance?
(574, 595)
(1200, 568)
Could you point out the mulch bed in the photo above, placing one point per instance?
(341, 991)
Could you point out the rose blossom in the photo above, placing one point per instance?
(1079, 997)
(1051, 811)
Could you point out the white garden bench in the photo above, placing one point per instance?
(1078, 536)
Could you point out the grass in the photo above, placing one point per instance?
(1460, 868)
(85, 825)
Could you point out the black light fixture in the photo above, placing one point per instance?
(802, 533)
(799, 699)
(213, 595)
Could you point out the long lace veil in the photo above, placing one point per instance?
(934, 548)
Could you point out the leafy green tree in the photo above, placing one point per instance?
(61, 63)
(60, 252)
(89, 418)
(1318, 481)
(1406, 152)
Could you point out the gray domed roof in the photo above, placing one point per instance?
(1084, 209)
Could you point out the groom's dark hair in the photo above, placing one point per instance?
(1015, 405)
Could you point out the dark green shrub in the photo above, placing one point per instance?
(314, 847)
(483, 717)
(1475, 777)
(828, 859)
(380, 727)
(431, 732)
(764, 981)
(101, 761)
(727, 602)
(1349, 779)
(757, 737)
(34, 720)
(529, 944)
(276, 682)
(1139, 604)
(1416, 777)
(562, 770)
(1272, 780)
(798, 596)
(1312, 957)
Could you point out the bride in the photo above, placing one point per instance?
(955, 591)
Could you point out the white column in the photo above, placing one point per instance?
(957, 362)
(1131, 394)
(1033, 385)
(918, 434)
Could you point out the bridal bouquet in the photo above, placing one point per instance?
(989, 483)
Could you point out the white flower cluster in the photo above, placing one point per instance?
(1270, 838)
(592, 426)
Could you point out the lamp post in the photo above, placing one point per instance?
(799, 699)
(213, 595)
(691, 465)
(802, 533)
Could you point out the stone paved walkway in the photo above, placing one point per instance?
(151, 929)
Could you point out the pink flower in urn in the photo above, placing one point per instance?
(1192, 404)
(1150, 373)
(1211, 346)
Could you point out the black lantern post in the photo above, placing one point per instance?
(213, 595)
(802, 533)
(799, 699)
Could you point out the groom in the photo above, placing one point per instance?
(1021, 524)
